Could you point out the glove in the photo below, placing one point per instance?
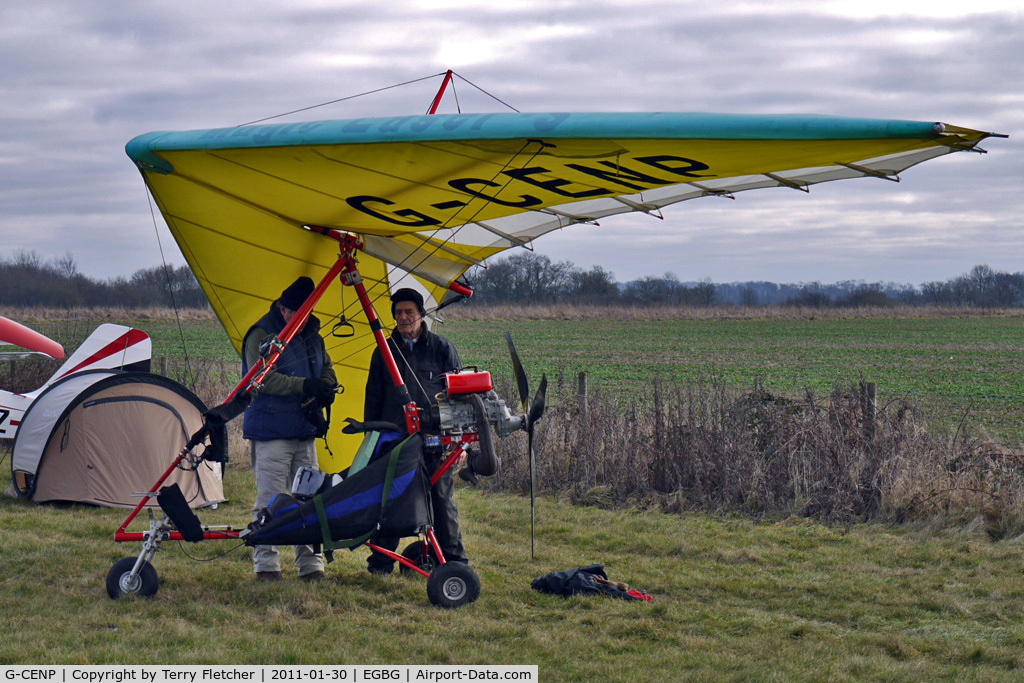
(327, 399)
(323, 391)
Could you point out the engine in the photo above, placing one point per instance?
(460, 410)
(470, 406)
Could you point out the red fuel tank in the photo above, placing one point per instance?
(468, 382)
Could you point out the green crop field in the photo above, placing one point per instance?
(952, 366)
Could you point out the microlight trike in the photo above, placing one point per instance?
(425, 198)
(385, 491)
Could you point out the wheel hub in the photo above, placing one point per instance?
(454, 589)
(128, 584)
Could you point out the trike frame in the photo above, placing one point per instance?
(141, 577)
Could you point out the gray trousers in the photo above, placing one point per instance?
(274, 464)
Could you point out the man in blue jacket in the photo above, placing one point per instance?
(423, 358)
(281, 438)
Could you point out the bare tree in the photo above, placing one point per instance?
(705, 293)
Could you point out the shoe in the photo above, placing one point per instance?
(269, 576)
(313, 576)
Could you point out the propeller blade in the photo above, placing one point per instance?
(537, 409)
(533, 496)
(531, 415)
(517, 367)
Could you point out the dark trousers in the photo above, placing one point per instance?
(446, 524)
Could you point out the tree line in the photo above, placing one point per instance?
(524, 278)
(26, 279)
(530, 278)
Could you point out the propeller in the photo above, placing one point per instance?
(531, 414)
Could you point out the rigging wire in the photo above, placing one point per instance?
(458, 106)
(340, 99)
(496, 99)
(424, 256)
(189, 375)
(379, 90)
(441, 242)
(468, 221)
(454, 232)
(344, 310)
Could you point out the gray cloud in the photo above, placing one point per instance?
(83, 77)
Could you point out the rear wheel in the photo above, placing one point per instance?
(121, 583)
(453, 585)
(421, 554)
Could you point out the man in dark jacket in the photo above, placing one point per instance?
(281, 438)
(423, 358)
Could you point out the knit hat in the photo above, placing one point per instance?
(406, 294)
(297, 293)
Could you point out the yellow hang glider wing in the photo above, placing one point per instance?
(432, 196)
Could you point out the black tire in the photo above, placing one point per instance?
(118, 585)
(421, 554)
(453, 585)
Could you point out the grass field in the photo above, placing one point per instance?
(734, 599)
(952, 364)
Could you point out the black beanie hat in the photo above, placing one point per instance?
(297, 293)
(406, 294)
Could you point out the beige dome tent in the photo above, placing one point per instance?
(102, 437)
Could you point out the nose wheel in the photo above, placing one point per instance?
(121, 582)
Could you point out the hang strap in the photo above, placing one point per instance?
(325, 532)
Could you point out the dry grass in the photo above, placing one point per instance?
(733, 600)
(933, 598)
(569, 311)
(95, 316)
(705, 445)
(702, 446)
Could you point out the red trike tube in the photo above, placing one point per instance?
(345, 266)
(431, 541)
(263, 366)
(260, 368)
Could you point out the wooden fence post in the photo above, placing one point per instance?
(163, 365)
(868, 407)
(581, 392)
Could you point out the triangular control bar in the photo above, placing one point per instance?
(346, 270)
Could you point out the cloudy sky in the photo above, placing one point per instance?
(82, 77)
